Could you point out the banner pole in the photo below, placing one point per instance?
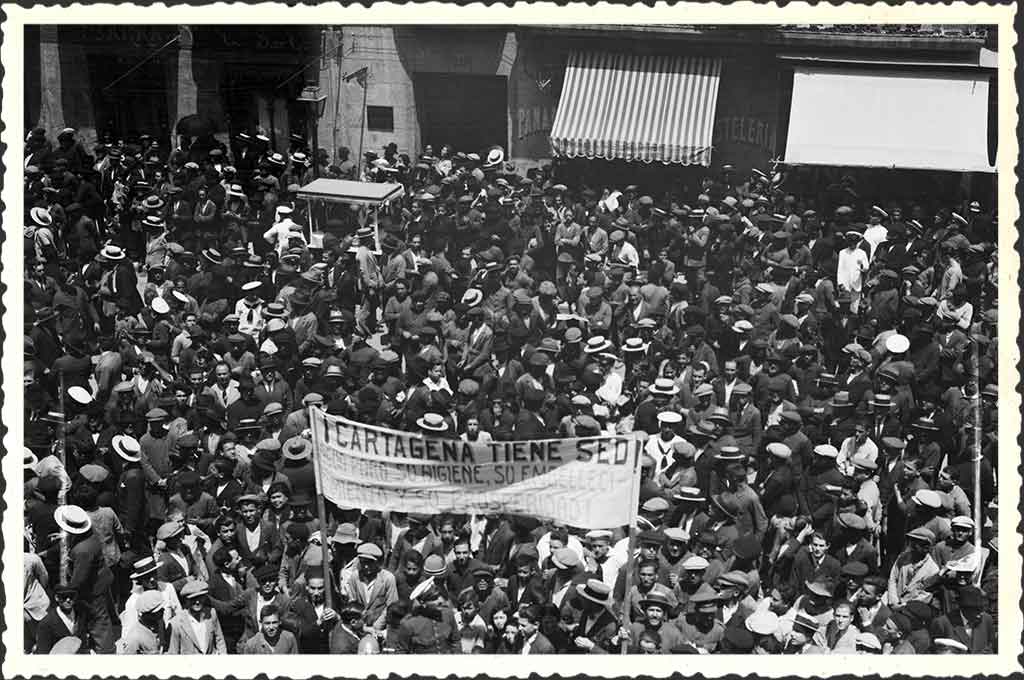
(62, 499)
(634, 499)
(979, 516)
(321, 510)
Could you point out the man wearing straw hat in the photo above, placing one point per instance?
(88, 573)
(597, 631)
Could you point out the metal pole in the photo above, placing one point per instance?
(362, 127)
(337, 95)
(978, 515)
(314, 107)
(321, 510)
(65, 548)
(634, 499)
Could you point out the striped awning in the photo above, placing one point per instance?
(637, 108)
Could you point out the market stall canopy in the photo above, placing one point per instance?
(906, 119)
(346, 191)
(650, 108)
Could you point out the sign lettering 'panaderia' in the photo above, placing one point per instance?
(590, 482)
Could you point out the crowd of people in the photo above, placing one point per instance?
(815, 384)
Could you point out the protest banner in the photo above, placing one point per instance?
(590, 482)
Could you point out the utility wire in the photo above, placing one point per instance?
(137, 66)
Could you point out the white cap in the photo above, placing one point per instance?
(897, 344)
(949, 643)
(868, 641)
(160, 305)
(423, 587)
(80, 395)
(928, 498)
(762, 622)
(826, 450)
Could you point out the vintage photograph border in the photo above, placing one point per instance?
(1006, 662)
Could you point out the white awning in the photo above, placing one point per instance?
(889, 119)
(637, 108)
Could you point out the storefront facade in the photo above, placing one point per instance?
(239, 78)
(475, 87)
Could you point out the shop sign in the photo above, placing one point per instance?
(533, 120)
(120, 36)
(745, 130)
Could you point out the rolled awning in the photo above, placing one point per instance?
(889, 119)
(637, 108)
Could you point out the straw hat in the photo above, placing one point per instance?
(72, 519)
(596, 591)
(433, 422)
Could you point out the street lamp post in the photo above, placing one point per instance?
(360, 76)
(317, 102)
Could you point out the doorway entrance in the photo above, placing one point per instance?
(468, 112)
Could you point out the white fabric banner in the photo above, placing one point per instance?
(905, 119)
(589, 483)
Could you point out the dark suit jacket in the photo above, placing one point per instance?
(532, 594)
(125, 284)
(52, 629)
(541, 645)
(498, 545)
(530, 426)
(877, 624)
(981, 640)
(300, 619)
(244, 605)
(857, 387)
(778, 489)
(269, 549)
(431, 546)
(494, 385)
(600, 632)
(863, 552)
(478, 353)
(170, 571)
(804, 570)
(222, 593)
(229, 495)
(133, 508)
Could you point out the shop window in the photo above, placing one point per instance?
(380, 118)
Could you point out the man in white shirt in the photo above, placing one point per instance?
(853, 263)
(250, 310)
(369, 278)
(623, 251)
(876, 232)
(725, 384)
(607, 562)
(283, 230)
(225, 388)
(145, 579)
(858, 445)
(868, 492)
(534, 642)
(661, 448)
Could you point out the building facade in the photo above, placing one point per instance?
(123, 81)
(470, 87)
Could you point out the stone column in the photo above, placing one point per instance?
(51, 106)
(279, 125)
(187, 100)
(509, 52)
